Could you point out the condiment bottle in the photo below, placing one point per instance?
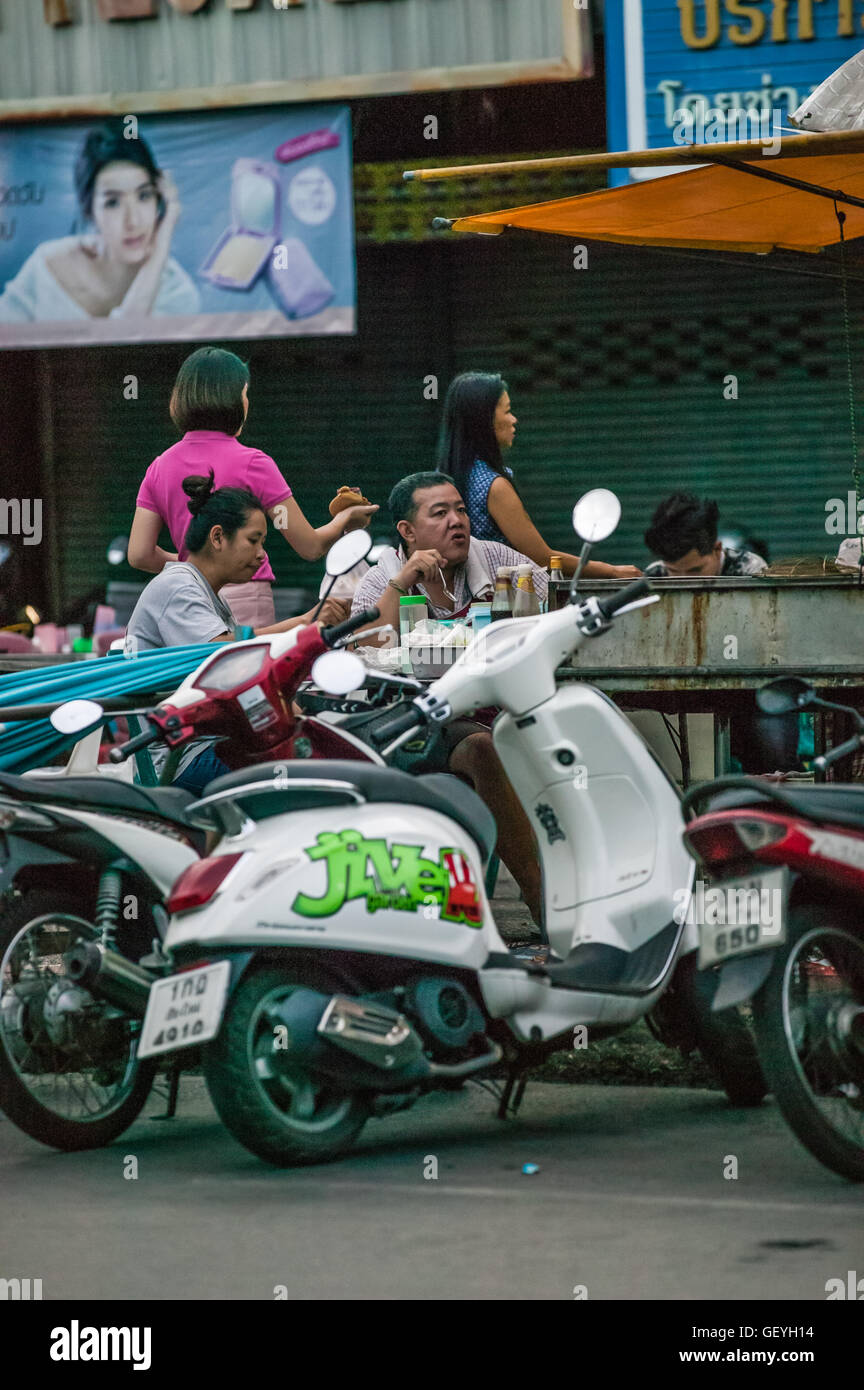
(525, 604)
(555, 576)
(502, 603)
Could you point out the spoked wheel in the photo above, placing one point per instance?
(810, 1030)
(273, 1105)
(69, 1074)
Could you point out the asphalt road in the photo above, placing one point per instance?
(630, 1201)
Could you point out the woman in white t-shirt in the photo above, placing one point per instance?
(123, 268)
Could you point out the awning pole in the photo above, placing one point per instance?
(847, 333)
(805, 145)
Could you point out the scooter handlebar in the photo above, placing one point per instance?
(125, 750)
(842, 750)
(637, 589)
(332, 635)
(398, 723)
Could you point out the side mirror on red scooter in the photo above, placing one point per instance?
(788, 695)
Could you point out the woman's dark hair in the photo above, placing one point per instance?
(682, 523)
(467, 428)
(228, 507)
(208, 392)
(108, 145)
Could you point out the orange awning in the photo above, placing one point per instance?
(710, 208)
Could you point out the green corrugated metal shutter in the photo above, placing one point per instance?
(617, 376)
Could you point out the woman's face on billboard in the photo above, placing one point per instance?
(125, 211)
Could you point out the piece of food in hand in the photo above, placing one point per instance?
(349, 497)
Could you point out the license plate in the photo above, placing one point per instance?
(185, 1009)
(739, 916)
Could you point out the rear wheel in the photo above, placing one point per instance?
(69, 1073)
(810, 1029)
(726, 1040)
(281, 1113)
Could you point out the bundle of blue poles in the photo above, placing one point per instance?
(28, 743)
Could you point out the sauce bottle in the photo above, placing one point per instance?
(525, 604)
(555, 577)
(502, 603)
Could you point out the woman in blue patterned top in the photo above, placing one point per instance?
(477, 430)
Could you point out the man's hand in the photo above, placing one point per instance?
(424, 564)
(333, 611)
(626, 572)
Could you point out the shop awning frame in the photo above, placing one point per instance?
(699, 207)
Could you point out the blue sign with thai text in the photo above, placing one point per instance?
(760, 57)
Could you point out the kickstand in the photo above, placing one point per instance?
(173, 1088)
(508, 1109)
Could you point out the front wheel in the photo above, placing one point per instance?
(282, 1114)
(809, 1020)
(69, 1072)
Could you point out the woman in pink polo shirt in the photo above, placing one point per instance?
(209, 404)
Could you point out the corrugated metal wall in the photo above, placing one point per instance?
(616, 372)
(617, 376)
(218, 46)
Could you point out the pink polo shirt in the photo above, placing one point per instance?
(233, 466)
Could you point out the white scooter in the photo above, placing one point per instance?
(337, 952)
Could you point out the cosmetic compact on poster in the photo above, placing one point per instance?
(241, 252)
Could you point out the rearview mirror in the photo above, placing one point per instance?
(596, 514)
(785, 696)
(347, 552)
(76, 716)
(338, 673)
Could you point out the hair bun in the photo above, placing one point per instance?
(198, 490)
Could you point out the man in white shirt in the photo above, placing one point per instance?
(439, 559)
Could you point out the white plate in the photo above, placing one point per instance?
(731, 924)
(185, 1009)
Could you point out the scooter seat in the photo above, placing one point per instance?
(440, 791)
(100, 794)
(837, 803)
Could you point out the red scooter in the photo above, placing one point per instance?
(782, 922)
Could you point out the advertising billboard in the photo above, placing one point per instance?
(233, 224)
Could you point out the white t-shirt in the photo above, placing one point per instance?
(33, 295)
(177, 609)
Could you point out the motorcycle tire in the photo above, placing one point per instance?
(17, 1101)
(262, 1111)
(725, 1040)
(777, 1022)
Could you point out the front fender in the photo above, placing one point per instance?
(741, 979)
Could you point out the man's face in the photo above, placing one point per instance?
(694, 564)
(441, 523)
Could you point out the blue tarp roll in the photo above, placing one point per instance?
(30, 743)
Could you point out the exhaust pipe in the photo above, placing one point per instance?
(109, 976)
